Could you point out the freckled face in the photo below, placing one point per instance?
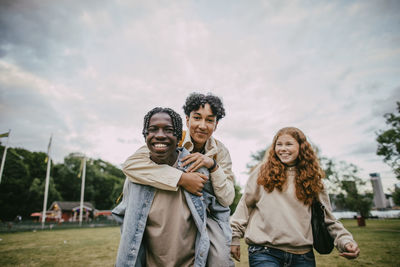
(201, 124)
(287, 149)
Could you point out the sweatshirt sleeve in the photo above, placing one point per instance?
(336, 229)
(140, 169)
(240, 218)
(223, 179)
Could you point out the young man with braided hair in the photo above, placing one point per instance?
(203, 113)
(162, 228)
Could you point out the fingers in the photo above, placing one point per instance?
(236, 256)
(235, 251)
(351, 247)
(195, 166)
(188, 159)
(197, 160)
(352, 251)
(193, 182)
(203, 176)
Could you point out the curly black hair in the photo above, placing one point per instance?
(175, 117)
(195, 100)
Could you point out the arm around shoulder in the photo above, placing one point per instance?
(139, 168)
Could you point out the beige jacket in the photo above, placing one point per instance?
(280, 220)
(139, 168)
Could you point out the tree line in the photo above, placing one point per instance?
(23, 182)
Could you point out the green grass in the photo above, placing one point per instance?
(379, 242)
(72, 247)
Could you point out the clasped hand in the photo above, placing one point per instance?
(192, 181)
(198, 160)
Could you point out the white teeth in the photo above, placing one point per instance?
(160, 145)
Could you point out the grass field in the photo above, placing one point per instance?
(379, 242)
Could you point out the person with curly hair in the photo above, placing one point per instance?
(274, 213)
(203, 112)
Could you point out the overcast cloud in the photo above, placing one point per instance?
(88, 71)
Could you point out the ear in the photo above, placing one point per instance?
(215, 127)
(187, 121)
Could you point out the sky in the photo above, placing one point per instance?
(87, 72)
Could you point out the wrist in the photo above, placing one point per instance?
(213, 167)
(235, 241)
(181, 180)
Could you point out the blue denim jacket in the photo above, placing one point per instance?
(134, 209)
(214, 210)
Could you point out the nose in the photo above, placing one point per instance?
(202, 124)
(160, 134)
(282, 148)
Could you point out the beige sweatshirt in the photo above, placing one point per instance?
(280, 220)
(139, 168)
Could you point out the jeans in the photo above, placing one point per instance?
(260, 256)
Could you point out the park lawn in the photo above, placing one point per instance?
(71, 247)
(379, 242)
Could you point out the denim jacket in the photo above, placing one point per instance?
(134, 209)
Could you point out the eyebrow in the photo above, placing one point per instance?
(166, 126)
(197, 113)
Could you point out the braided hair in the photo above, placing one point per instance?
(195, 100)
(175, 118)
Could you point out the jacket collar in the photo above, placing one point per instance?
(210, 147)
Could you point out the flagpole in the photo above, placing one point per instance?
(3, 160)
(82, 190)
(46, 188)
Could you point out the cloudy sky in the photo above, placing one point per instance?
(88, 71)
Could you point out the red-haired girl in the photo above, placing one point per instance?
(274, 213)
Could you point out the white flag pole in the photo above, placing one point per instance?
(3, 160)
(82, 190)
(46, 188)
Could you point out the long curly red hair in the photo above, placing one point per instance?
(308, 171)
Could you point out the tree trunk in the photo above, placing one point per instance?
(361, 221)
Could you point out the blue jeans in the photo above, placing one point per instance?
(260, 256)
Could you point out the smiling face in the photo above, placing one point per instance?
(201, 124)
(160, 139)
(287, 149)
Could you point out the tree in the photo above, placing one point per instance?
(396, 196)
(389, 141)
(36, 194)
(16, 179)
(344, 179)
(256, 158)
(103, 182)
(23, 181)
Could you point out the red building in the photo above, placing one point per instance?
(67, 211)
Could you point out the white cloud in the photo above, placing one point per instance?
(88, 72)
